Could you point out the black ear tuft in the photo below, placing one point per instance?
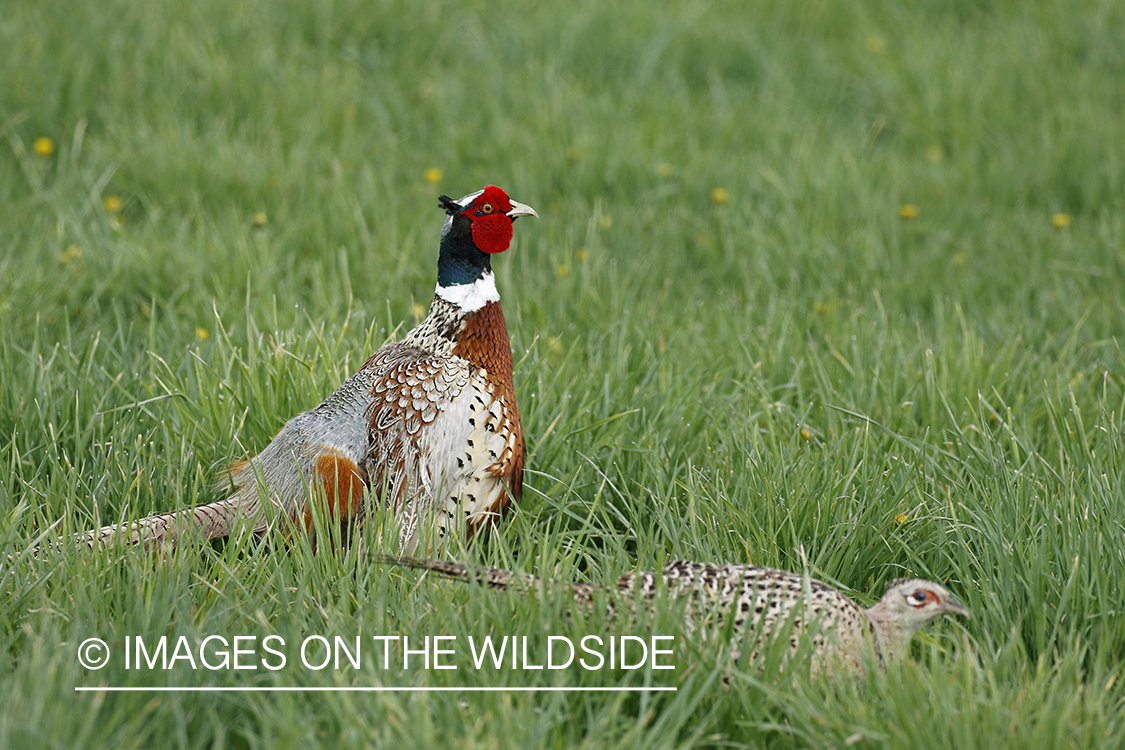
(451, 206)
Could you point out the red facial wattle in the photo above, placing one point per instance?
(492, 233)
(492, 228)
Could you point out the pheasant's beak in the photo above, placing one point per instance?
(954, 607)
(519, 209)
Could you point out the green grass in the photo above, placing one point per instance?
(798, 377)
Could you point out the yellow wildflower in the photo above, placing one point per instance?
(72, 252)
(573, 154)
(112, 204)
(605, 222)
(875, 44)
(1060, 221)
(202, 334)
(433, 175)
(901, 518)
(719, 196)
(260, 219)
(43, 146)
(582, 254)
(958, 259)
(908, 211)
(933, 153)
(664, 169)
(564, 270)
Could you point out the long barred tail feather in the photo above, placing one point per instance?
(493, 578)
(163, 531)
(211, 521)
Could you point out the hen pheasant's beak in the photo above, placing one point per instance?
(519, 209)
(954, 607)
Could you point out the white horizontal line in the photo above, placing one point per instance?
(262, 689)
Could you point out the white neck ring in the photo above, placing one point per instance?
(471, 297)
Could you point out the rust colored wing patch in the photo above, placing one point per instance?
(338, 487)
(343, 483)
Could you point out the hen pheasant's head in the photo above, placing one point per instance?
(488, 215)
(909, 604)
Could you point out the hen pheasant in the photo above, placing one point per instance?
(767, 602)
(428, 425)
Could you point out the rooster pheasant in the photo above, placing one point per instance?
(767, 602)
(428, 425)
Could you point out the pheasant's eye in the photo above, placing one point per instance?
(919, 597)
(486, 208)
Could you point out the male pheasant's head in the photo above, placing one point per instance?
(909, 604)
(478, 227)
(487, 216)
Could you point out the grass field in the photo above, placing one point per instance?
(830, 286)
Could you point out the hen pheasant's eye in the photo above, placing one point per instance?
(918, 598)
